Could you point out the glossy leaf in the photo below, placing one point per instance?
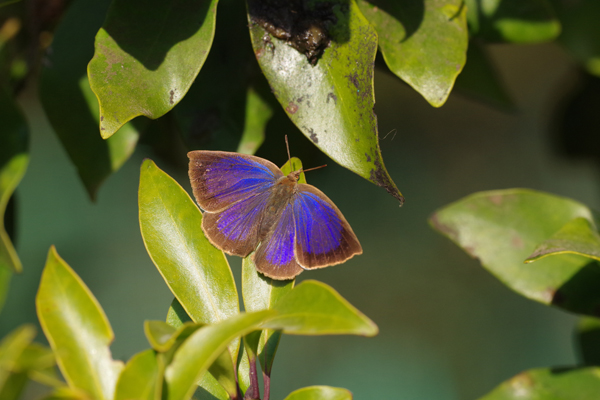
(550, 384)
(138, 380)
(576, 237)
(197, 273)
(201, 349)
(314, 308)
(147, 55)
(588, 340)
(332, 101)
(516, 21)
(480, 80)
(320, 393)
(424, 43)
(581, 34)
(13, 163)
(77, 330)
(70, 104)
(502, 228)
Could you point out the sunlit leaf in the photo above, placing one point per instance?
(70, 104)
(314, 308)
(332, 101)
(517, 21)
(201, 349)
(138, 380)
(320, 393)
(147, 55)
(13, 163)
(502, 228)
(77, 330)
(550, 384)
(424, 43)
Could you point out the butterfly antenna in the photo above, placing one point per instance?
(287, 145)
(312, 169)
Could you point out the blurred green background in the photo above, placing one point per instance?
(448, 329)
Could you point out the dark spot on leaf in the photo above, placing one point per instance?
(381, 178)
(332, 96)
(496, 199)
(517, 242)
(303, 25)
(443, 228)
(357, 140)
(354, 79)
(368, 157)
(102, 129)
(300, 99)
(313, 135)
(102, 118)
(260, 52)
(172, 93)
(291, 108)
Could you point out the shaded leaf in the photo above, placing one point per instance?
(424, 43)
(588, 340)
(201, 349)
(332, 101)
(502, 228)
(77, 330)
(320, 393)
(139, 378)
(541, 384)
(11, 348)
(145, 62)
(70, 104)
(210, 389)
(66, 393)
(314, 308)
(14, 158)
(197, 273)
(581, 33)
(517, 21)
(480, 80)
(226, 107)
(576, 237)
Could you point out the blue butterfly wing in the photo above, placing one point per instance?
(220, 179)
(233, 189)
(323, 236)
(275, 256)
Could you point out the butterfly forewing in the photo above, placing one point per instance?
(323, 236)
(220, 179)
(275, 256)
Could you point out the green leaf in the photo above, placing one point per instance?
(588, 340)
(176, 316)
(147, 55)
(77, 330)
(516, 21)
(262, 293)
(332, 101)
(13, 163)
(210, 389)
(197, 273)
(70, 104)
(320, 393)
(66, 393)
(581, 33)
(424, 43)
(139, 378)
(314, 308)
(502, 228)
(201, 349)
(480, 80)
(226, 107)
(11, 348)
(550, 384)
(576, 237)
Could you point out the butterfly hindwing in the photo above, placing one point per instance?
(275, 256)
(323, 236)
(220, 179)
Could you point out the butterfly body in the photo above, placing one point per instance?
(251, 205)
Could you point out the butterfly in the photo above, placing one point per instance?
(251, 206)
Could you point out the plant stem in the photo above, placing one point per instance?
(253, 392)
(267, 382)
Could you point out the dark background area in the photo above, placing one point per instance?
(448, 329)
